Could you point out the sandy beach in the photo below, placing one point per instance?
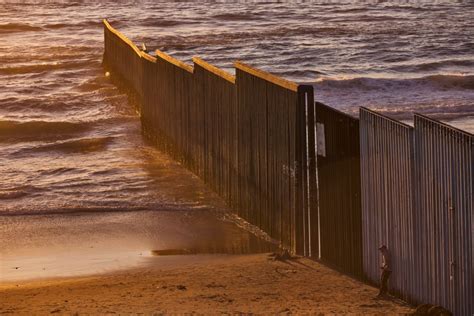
(203, 284)
(198, 261)
(164, 261)
(88, 243)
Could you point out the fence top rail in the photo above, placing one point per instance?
(267, 76)
(148, 57)
(334, 110)
(174, 61)
(122, 37)
(362, 109)
(128, 42)
(213, 69)
(444, 125)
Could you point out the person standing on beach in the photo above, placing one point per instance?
(386, 271)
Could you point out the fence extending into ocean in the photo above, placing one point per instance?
(322, 183)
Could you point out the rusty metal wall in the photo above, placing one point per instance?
(444, 216)
(417, 198)
(246, 136)
(273, 195)
(386, 154)
(339, 189)
(167, 90)
(214, 135)
(123, 59)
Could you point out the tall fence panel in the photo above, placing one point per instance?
(215, 128)
(417, 198)
(166, 105)
(339, 189)
(444, 201)
(271, 125)
(386, 154)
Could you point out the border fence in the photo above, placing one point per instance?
(322, 183)
(339, 189)
(444, 200)
(387, 197)
(417, 198)
(243, 135)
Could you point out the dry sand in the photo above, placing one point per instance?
(219, 284)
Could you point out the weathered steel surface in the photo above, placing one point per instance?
(386, 154)
(245, 136)
(339, 189)
(167, 89)
(444, 216)
(271, 115)
(124, 59)
(214, 133)
(417, 198)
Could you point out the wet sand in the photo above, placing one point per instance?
(127, 262)
(212, 284)
(88, 243)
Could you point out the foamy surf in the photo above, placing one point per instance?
(445, 96)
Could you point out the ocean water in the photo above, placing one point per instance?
(70, 141)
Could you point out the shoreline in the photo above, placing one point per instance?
(223, 284)
(96, 243)
(164, 262)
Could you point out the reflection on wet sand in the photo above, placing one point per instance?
(52, 246)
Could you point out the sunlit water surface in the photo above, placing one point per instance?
(70, 141)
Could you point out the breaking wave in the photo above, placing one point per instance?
(71, 210)
(444, 97)
(89, 23)
(434, 65)
(42, 67)
(39, 129)
(12, 194)
(18, 27)
(82, 145)
(437, 82)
